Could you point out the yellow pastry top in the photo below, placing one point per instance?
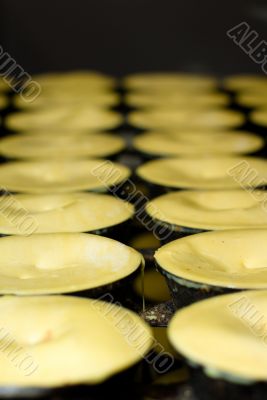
(211, 209)
(64, 340)
(181, 99)
(206, 173)
(32, 146)
(59, 177)
(184, 143)
(231, 258)
(72, 212)
(251, 99)
(185, 119)
(168, 81)
(63, 263)
(52, 98)
(74, 80)
(219, 335)
(245, 82)
(58, 133)
(67, 117)
(259, 116)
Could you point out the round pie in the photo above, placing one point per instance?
(61, 146)
(61, 177)
(55, 263)
(49, 331)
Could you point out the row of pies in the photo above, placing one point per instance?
(65, 327)
(75, 89)
(145, 82)
(204, 265)
(216, 208)
(91, 340)
(218, 282)
(61, 241)
(228, 172)
(183, 213)
(172, 101)
(80, 100)
(218, 223)
(56, 145)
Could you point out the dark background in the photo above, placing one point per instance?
(122, 36)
